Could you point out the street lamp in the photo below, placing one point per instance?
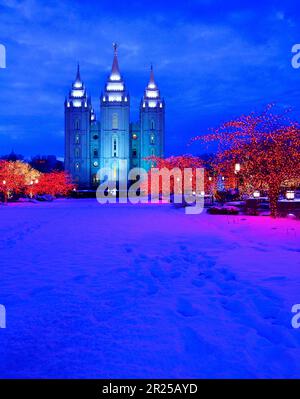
(237, 167)
(5, 192)
(256, 194)
(290, 195)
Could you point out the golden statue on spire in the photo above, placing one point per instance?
(115, 47)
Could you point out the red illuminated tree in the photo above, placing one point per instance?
(16, 178)
(267, 147)
(182, 162)
(20, 178)
(54, 183)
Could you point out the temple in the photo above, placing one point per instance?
(93, 142)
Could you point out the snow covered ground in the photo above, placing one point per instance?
(146, 291)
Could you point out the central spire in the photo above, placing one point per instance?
(78, 84)
(115, 90)
(151, 83)
(115, 71)
(78, 78)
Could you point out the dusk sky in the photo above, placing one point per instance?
(213, 60)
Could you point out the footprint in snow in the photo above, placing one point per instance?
(185, 308)
(128, 249)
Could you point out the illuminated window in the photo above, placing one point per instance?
(95, 179)
(152, 104)
(115, 170)
(77, 166)
(115, 87)
(114, 98)
(134, 136)
(77, 139)
(152, 139)
(95, 164)
(115, 121)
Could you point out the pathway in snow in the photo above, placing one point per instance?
(146, 291)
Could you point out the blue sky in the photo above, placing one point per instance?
(213, 60)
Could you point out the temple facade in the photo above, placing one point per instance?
(93, 142)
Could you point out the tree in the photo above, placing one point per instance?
(16, 178)
(266, 145)
(20, 178)
(54, 183)
(180, 163)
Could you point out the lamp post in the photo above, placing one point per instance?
(237, 168)
(5, 192)
(32, 182)
(290, 195)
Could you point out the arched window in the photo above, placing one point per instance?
(152, 139)
(115, 148)
(152, 152)
(77, 166)
(77, 124)
(115, 121)
(77, 139)
(77, 152)
(95, 153)
(152, 124)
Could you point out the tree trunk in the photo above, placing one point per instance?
(273, 197)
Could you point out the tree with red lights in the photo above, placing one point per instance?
(266, 146)
(20, 178)
(16, 178)
(180, 163)
(54, 183)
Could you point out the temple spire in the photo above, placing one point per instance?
(78, 78)
(115, 71)
(151, 83)
(152, 95)
(78, 82)
(151, 74)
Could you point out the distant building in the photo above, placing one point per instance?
(91, 143)
(46, 163)
(12, 157)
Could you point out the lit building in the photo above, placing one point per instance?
(92, 143)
